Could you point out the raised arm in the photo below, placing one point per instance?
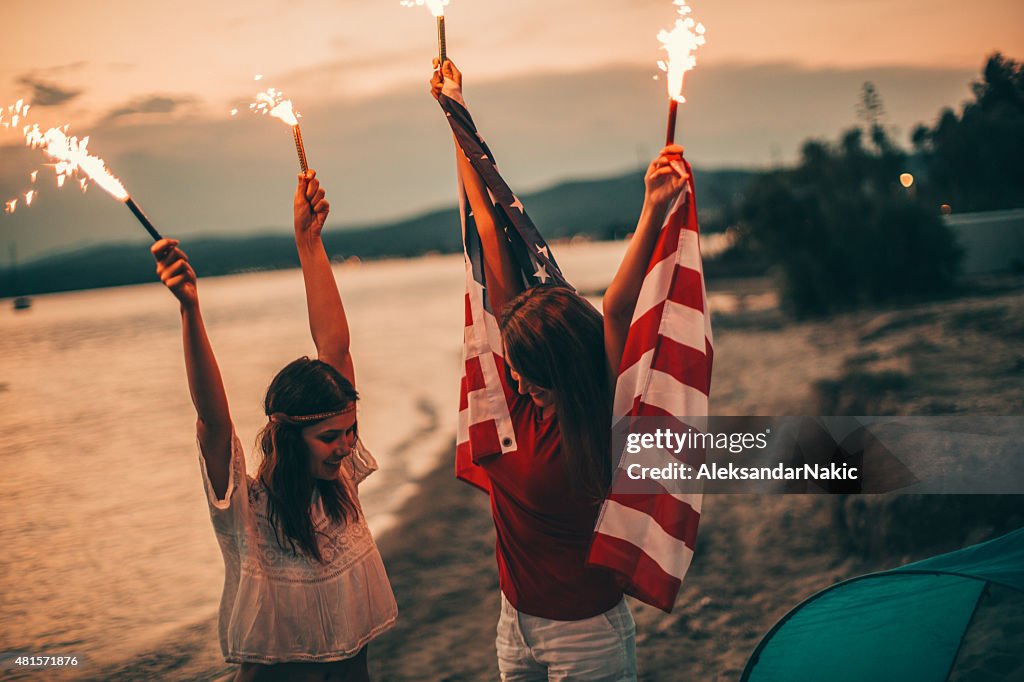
(327, 321)
(665, 179)
(502, 276)
(213, 423)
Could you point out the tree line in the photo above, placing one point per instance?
(858, 221)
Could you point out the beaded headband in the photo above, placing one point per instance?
(305, 419)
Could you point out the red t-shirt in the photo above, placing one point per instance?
(544, 530)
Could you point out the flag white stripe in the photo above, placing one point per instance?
(654, 289)
(638, 529)
(684, 325)
(663, 391)
(627, 386)
(707, 315)
(463, 433)
(668, 393)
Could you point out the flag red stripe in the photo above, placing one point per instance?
(642, 336)
(646, 581)
(474, 375)
(687, 365)
(668, 240)
(687, 288)
(467, 471)
(484, 437)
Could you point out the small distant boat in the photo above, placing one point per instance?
(20, 302)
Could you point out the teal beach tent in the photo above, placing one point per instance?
(907, 623)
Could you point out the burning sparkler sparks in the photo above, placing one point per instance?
(14, 113)
(436, 8)
(273, 102)
(10, 116)
(71, 156)
(681, 44)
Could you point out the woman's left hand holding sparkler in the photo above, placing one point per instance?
(446, 77)
(664, 181)
(665, 178)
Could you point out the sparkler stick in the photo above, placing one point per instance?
(436, 8)
(442, 47)
(300, 148)
(670, 134)
(72, 155)
(134, 208)
(681, 43)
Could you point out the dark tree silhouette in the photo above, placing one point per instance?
(841, 228)
(973, 161)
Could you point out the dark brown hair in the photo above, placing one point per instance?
(555, 339)
(303, 387)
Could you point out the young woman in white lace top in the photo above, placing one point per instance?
(304, 587)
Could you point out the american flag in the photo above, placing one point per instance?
(648, 539)
(485, 425)
(666, 368)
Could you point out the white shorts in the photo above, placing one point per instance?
(598, 649)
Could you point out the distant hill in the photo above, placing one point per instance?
(601, 209)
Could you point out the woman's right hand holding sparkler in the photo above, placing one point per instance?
(500, 271)
(213, 423)
(175, 272)
(448, 73)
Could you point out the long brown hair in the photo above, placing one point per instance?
(303, 387)
(555, 339)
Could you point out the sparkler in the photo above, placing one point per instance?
(71, 155)
(436, 8)
(273, 102)
(681, 43)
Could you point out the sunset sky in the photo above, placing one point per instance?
(560, 90)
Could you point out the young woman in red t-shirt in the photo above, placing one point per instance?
(561, 619)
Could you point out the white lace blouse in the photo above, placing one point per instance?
(279, 606)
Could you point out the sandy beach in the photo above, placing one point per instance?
(757, 556)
